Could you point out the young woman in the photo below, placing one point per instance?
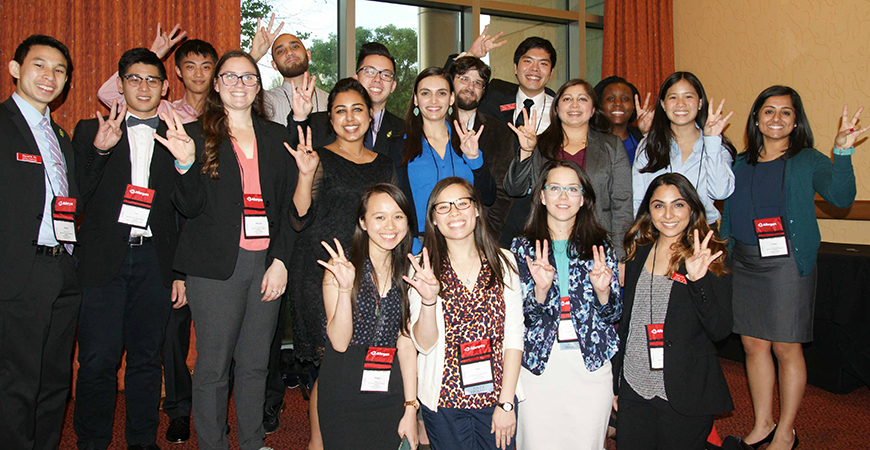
(235, 186)
(467, 324)
(686, 137)
(578, 132)
(677, 303)
(618, 97)
(571, 301)
(436, 147)
(369, 366)
(774, 274)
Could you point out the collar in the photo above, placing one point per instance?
(540, 99)
(129, 115)
(31, 115)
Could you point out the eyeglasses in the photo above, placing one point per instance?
(371, 72)
(231, 79)
(478, 84)
(461, 204)
(554, 190)
(136, 80)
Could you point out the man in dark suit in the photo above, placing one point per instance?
(39, 290)
(128, 239)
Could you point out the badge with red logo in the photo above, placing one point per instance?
(64, 219)
(771, 237)
(655, 339)
(475, 367)
(376, 370)
(566, 335)
(508, 107)
(28, 158)
(136, 207)
(256, 222)
(679, 278)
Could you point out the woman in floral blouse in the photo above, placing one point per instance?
(571, 301)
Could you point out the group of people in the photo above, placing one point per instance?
(503, 267)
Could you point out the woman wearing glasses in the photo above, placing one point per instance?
(571, 301)
(437, 147)
(467, 324)
(235, 185)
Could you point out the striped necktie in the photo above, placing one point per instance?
(62, 188)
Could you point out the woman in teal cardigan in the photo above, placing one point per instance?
(771, 218)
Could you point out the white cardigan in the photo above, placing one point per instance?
(430, 361)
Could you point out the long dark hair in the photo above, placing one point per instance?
(414, 122)
(214, 117)
(359, 249)
(801, 136)
(486, 246)
(550, 141)
(643, 232)
(586, 231)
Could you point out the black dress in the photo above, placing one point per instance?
(338, 186)
(349, 418)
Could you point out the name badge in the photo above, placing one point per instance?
(566, 335)
(679, 278)
(256, 222)
(136, 207)
(508, 107)
(64, 219)
(475, 367)
(771, 237)
(376, 370)
(28, 158)
(655, 339)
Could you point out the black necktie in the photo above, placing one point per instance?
(152, 122)
(369, 140)
(527, 107)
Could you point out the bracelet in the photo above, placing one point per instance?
(346, 291)
(413, 403)
(104, 152)
(429, 304)
(844, 151)
(181, 167)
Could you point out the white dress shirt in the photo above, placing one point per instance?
(542, 105)
(141, 142)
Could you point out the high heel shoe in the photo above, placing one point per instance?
(767, 439)
(796, 440)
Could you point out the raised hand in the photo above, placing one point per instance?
(600, 275)
(177, 141)
(109, 131)
(697, 264)
(341, 268)
(306, 158)
(849, 131)
(645, 114)
(468, 140)
(424, 280)
(302, 103)
(715, 122)
(164, 42)
(542, 272)
(527, 134)
(263, 38)
(484, 44)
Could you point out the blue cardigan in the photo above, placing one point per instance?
(834, 182)
(593, 321)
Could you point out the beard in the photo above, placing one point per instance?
(465, 103)
(293, 71)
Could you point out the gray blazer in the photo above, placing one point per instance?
(607, 166)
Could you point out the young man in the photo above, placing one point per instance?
(290, 57)
(39, 290)
(128, 237)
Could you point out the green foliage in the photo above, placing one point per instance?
(402, 43)
(251, 11)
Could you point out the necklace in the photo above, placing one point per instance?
(351, 154)
(467, 279)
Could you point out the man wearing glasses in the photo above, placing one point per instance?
(128, 242)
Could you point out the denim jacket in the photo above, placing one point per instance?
(593, 322)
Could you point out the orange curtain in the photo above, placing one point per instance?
(639, 42)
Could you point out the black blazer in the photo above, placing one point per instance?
(23, 196)
(102, 180)
(699, 314)
(496, 142)
(321, 129)
(209, 243)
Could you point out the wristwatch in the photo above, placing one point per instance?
(509, 406)
(413, 403)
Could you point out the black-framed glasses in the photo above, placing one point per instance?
(371, 72)
(478, 84)
(231, 79)
(461, 204)
(136, 80)
(554, 190)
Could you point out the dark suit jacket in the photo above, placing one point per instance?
(496, 142)
(103, 180)
(391, 127)
(23, 197)
(209, 243)
(699, 314)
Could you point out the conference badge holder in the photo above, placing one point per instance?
(475, 367)
(136, 207)
(256, 222)
(566, 334)
(771, 237)
(655, 339)
(376, 370)
(63, 218)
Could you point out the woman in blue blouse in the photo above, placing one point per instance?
(432, 151)
(774, 271)
(571, 301)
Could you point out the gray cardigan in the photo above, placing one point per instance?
(607, 166)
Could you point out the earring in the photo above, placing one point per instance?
(416, 111)
(450, 110)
